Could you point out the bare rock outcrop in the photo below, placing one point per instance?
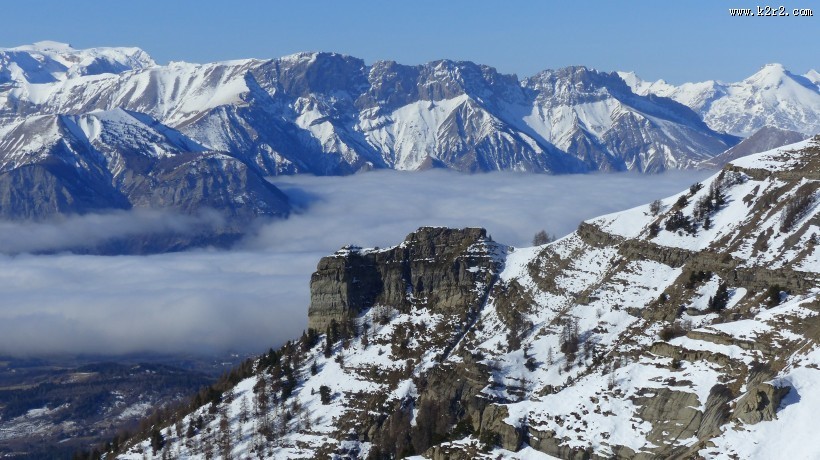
(447, 270)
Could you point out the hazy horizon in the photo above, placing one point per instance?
(678, 41)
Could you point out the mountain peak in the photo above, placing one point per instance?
(772, 96)
(774, 66)
(44, 45)
(51, 61)
(769, 73)
(49, 45)
(813, 76)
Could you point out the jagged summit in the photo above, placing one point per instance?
(686, 327)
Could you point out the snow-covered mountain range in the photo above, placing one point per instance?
(326, 113)
(103, 128)
(683, 328)
(772, 97)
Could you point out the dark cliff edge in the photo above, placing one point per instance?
(438, 267)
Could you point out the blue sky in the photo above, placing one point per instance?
(679, 41)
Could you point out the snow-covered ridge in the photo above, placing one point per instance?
(732, 224)
(780, 159)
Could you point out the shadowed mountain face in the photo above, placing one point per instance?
(766, 138)
(58, 165)
(116, 160)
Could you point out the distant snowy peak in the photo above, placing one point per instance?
(46, 46)
(328, 113)
(693, 95)
(813, 76)
(47, 62)
(772, 96)
(596, 116)
(642, 87)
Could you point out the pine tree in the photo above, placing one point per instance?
(328, 344)
(244, 414)
(611, 379)
(720, 300)
(541, 238)
(655, 207)
(325, 394)
(707, 223)
(157, 440)
(225, 441)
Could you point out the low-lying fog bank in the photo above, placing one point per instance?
(256, 295)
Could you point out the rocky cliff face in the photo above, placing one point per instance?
(449, 271)
(684, 328)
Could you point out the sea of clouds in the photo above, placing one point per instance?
(256, 295)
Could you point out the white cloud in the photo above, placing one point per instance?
(94, 229)
(257, 295)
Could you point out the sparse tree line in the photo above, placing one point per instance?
(707, 205)
(716, 303)
(273, 406)
(571, 344)
(277, 372)
(542, 237)
(703, 210)
(797, 207)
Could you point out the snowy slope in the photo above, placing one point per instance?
(764, 139)
(620, 339)
(34, 72)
